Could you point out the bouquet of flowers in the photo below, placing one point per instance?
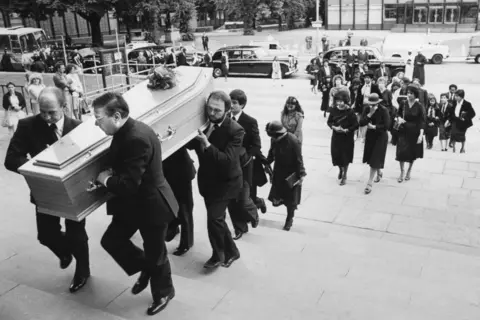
(161, 78)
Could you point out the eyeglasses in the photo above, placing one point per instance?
(213, 110)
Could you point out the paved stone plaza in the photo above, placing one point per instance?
(407, 251)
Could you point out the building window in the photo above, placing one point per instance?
(468, 13)
(390, 12)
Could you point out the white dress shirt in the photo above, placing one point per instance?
(237, 116)
(457, 109)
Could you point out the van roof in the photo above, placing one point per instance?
(18, 30)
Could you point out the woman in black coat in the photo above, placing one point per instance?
(461, 119)
(433, 115)
(411, 118)
(288, 171)
(377, 119)
(14, 105)
(343, 122)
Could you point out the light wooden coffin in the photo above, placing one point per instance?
(60, 176)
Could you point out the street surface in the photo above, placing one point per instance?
(408, 251)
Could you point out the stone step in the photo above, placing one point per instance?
(26, 303)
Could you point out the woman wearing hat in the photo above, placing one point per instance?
(411, 119)
(377, 120)
(288, 171)
(343, 122)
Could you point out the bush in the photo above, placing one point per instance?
(248, 32)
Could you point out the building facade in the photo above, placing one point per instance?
(403, 16)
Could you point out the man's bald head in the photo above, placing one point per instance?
(52, 102)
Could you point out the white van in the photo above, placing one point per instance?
(398, 45)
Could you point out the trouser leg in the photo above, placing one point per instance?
(77, 240)
(49, 233)
(157, 264)
(218, 232)
(116, 241)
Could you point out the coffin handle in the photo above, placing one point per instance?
(93, 185)
(170, 133)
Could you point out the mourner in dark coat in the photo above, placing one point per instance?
(366, 90)
(33, 135)
(419, 67)
(411, 119)
(451, 93)
(182, 58)
(461, 119)
(244, 210)
(220, 178)
(288, 171)
(384, 72)
(444, 125)
(142, 199)
(179, 171)
(377, 120)
(343, 122)
(433, 118)
(325, 75)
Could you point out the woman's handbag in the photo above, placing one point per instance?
(397, 126)
(292, 180)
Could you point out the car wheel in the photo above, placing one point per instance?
(477, 59)
(217, 72)
(437, 59)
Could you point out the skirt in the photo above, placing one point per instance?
(444, 133)
(458, 134)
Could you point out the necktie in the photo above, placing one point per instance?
(53, 133)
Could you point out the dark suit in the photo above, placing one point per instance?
(220, 182)
(244, 209)
(378, 73)
(179, 172)
(182, 60)
(467, 113)
(32, 137)
(143, 201)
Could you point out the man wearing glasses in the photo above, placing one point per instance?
(33, 135)
(143, 200)
(219, 175)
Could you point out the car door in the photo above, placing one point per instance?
(373, 59)
(234, 61)
(251, 64)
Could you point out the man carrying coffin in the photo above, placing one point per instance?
(34, 134)
(219, 175)
(143, 200)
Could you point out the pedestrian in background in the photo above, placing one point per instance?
(34, 88)
(14, 105)
(312, 70)
(292, 118)
(433, 115)
(419, 67)
(225, 65)
(444, 131)
(461, 118)
(343, 122)
(288, 171)
(276, 71)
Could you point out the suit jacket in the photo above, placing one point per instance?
(346, 77)
(179, 172)
(378, 73)
(141, 192)
(468, 114)
(7, 104)
(182, 60)
(323, 79)
(252, 145)
(32, 137)
(219, 172)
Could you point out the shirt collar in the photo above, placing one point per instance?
(59, 124)
(218, 124)
(237, 116)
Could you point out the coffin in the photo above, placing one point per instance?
(59, 176)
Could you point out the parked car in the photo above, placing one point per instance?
(338, 55)
(250, 61)
(474, 49)
(274, 48)
(398, 45)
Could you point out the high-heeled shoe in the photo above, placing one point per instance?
(407, 176)
(400, 179)
(379, 177)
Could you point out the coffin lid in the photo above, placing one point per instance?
(86, 137)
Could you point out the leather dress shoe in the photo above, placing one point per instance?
(238, 235)
(65, 261)
(255, 222)
(171, 234)
(229, 261)
(159, 304)
(141, 283)
(78, 283)
(261, 205)
(212, 263)
(180, 251)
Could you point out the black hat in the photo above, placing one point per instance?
(374, 99)
(275, 127)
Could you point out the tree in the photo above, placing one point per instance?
(27, 8)
(184, 11)
(91, 11)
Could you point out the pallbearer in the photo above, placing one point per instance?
(143, 199)
(33, 135)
